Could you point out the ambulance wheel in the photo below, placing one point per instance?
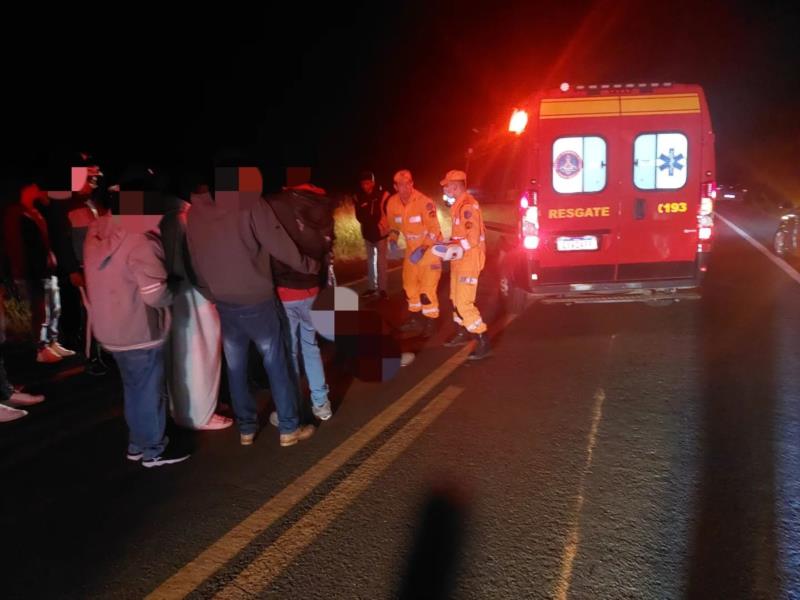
(516, 300)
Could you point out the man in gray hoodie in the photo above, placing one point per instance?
(126, 285)
(232, 232)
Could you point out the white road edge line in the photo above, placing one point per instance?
(561, 591)
(778, 261)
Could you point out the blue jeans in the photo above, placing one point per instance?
(261, 324)
(377, 264)
(304, 335)
(142, 374)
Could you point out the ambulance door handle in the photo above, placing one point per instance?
(639, 209)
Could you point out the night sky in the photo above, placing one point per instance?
(348, 86)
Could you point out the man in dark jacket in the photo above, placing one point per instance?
(371, 213)
(307, 214)
(232, 233)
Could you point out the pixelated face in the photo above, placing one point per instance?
(238, 179)
(233, 185)
(84, 179)
(363, 338)
(367, 185)
(139, 211)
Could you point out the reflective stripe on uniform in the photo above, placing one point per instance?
(475, 325)
(150, 289)
(456, 221)
(413, 236)
(457, 319)
(430, 311)
(415, 305)
(465, 245)
(469, 280)
(415, 219)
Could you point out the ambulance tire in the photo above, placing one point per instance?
(516, 300)
(510, 269)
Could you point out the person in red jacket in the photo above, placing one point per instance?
(33, 265)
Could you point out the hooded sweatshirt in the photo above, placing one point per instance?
(307, 215)
(126, 284)
(231, 238)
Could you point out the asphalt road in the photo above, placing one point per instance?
(610, 451)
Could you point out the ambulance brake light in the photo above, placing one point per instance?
(518, 122)
(523, 202)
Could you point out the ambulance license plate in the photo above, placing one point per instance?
(570, 244)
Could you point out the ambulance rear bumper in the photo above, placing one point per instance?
(599, 285)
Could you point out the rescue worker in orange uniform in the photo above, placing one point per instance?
(466, 252)
(412, 214)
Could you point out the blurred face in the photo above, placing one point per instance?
(367, 185)
(404, 187)
(452, 190)
(32, 193)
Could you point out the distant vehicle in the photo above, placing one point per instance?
(732, 193)
(785, 242)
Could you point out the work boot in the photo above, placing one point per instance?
(482, 349)
(429, 327)
(413, 323)
(301, 433)
(461, 338)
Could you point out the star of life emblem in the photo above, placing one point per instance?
(670, 162)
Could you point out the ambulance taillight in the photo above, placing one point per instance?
(529, 212)
(705, 214)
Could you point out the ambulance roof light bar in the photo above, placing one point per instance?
(565, 87)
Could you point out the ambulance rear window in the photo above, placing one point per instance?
(659, 161)
(579, 165)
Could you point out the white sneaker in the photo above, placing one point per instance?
(324, 412)
(61, 351)
(406, 358)
(22, 399)
(48, 356)
(8, 414)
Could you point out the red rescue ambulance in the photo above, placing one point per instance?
(614, 187)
